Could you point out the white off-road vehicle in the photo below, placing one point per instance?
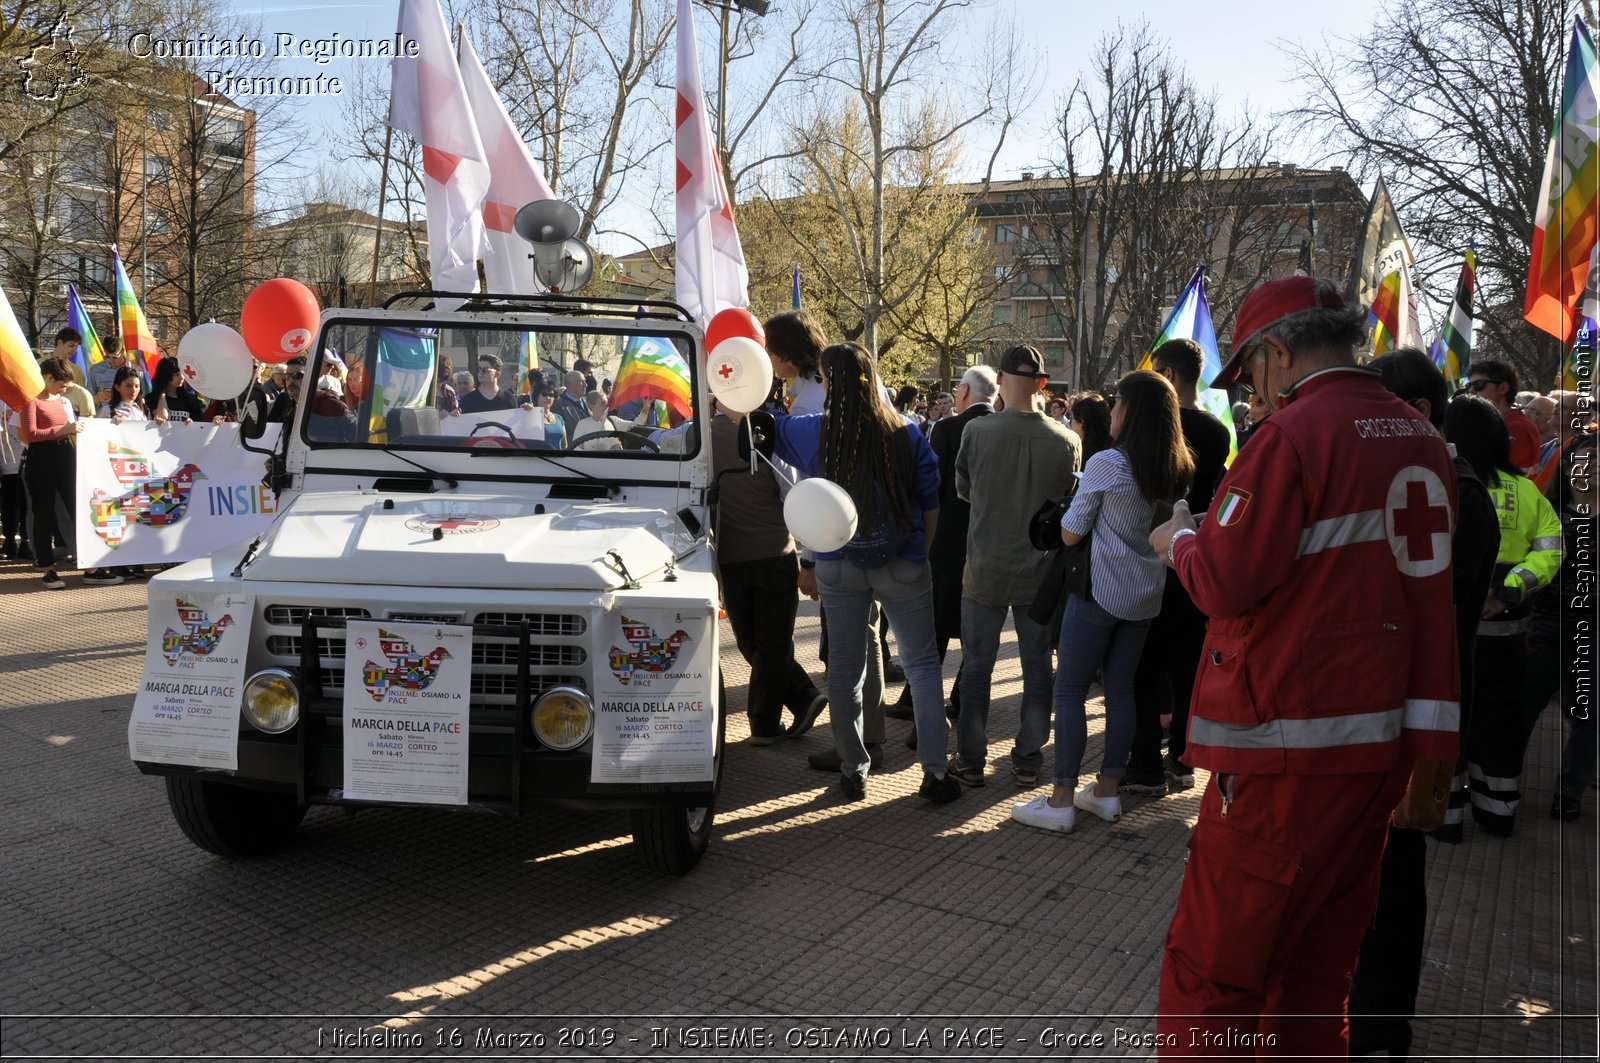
(578, 569)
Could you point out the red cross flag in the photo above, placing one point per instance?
(710, 270)
(514, 181)
(428, 100)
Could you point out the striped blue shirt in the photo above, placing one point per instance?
(1126, 577)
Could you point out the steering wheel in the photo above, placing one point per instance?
(509, 441)
(640, 442)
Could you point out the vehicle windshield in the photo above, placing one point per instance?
(500, 385)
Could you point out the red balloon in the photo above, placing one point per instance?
(279, 320)
(734, 321)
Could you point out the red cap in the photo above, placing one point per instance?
(1266, 305)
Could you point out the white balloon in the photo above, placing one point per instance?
(215, 361)
(819, 513)
(740, 374)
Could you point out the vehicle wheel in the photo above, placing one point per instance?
(232, 820)
(671, 841)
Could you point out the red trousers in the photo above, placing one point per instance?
(1281, 885)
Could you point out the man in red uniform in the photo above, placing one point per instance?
(1324, 565)
(1497, 382)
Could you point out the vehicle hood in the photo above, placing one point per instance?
(465, 541)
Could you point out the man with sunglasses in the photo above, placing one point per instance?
(1327, 673)
(282, 408)
(1497, 382)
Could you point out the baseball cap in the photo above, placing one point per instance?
(1022, 360)
(1266, 305)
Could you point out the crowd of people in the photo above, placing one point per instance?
(1215, 605)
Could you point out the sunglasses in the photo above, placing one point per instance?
(1479, 384)
(297, 376)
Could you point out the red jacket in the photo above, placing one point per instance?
(1324, 564)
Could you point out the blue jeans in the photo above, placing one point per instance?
(905, 589)
(1092, 638)
(980, 644)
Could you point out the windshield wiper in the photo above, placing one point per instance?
(445, 478)
(612, 487)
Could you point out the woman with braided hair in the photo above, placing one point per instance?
(892, 476)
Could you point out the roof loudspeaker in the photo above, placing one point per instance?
(547, 221)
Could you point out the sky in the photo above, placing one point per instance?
(1232, 46)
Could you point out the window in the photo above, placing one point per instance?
(1001, 314)
(159, 119)
(155, 169)
(156, 222)
(1055, 356)
(1052, 323)
(1005, 234)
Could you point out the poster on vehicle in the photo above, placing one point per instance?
(151, 494)
(406, 692)
(655, 710)
(187, 707)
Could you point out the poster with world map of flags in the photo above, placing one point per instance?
(655, 701)
(187, 707)
(406, 694)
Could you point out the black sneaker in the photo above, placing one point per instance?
(1152, 781)
(102, 577)
(53, 582)
(853, 787)
(1179, 775)
(892, 672)
(804, 721)
(830, 760)
(965, 773)
(940, 789)
(901, 710)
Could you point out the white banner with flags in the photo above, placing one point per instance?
(151, 494)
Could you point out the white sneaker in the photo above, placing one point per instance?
(1040, 813)
(1107, 808)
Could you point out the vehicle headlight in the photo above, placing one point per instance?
(563, 718)
(272, 701)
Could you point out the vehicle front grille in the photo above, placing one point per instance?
(556, 655)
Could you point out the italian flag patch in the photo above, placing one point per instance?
(1231, 508)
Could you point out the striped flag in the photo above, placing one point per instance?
(514, 181)
(20, 379)
(652, 370)
(1452, 353)
(710, 274)
(90, 350)
(428, 100)
(401, 372)
(1564, 226)
(1191, 320)
(1387, 313)
(137, 341)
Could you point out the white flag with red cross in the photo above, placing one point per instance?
(710, 270)
(514, 181)
(428, 100)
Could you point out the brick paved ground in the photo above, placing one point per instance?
(905, 918)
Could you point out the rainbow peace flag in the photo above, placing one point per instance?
(1578, 370)
(1565, 222)
(653, 370)
(135, 330)
(1191, 320)
(1452, 352)
(400, 375)
(1384, 316)
(20, 379)
(90, 350)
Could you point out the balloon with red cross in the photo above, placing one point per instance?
(740, 374)
(734, 321)
(214, 361)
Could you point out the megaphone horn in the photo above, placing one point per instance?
(547, 221)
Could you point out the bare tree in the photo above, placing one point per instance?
(885, 133)
(1149, 182)
(1454, 103)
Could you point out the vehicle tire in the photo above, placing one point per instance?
(672, 840)
(232, 821)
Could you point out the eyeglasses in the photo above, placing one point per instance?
(1478, 385)
(297, 376)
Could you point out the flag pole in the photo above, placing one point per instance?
(377, 236)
